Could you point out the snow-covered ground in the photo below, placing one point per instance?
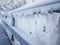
(36, 25)
(38, 29)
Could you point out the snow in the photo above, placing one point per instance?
(30, 26)
(35, 4)
(35, 24)
(8, 5)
